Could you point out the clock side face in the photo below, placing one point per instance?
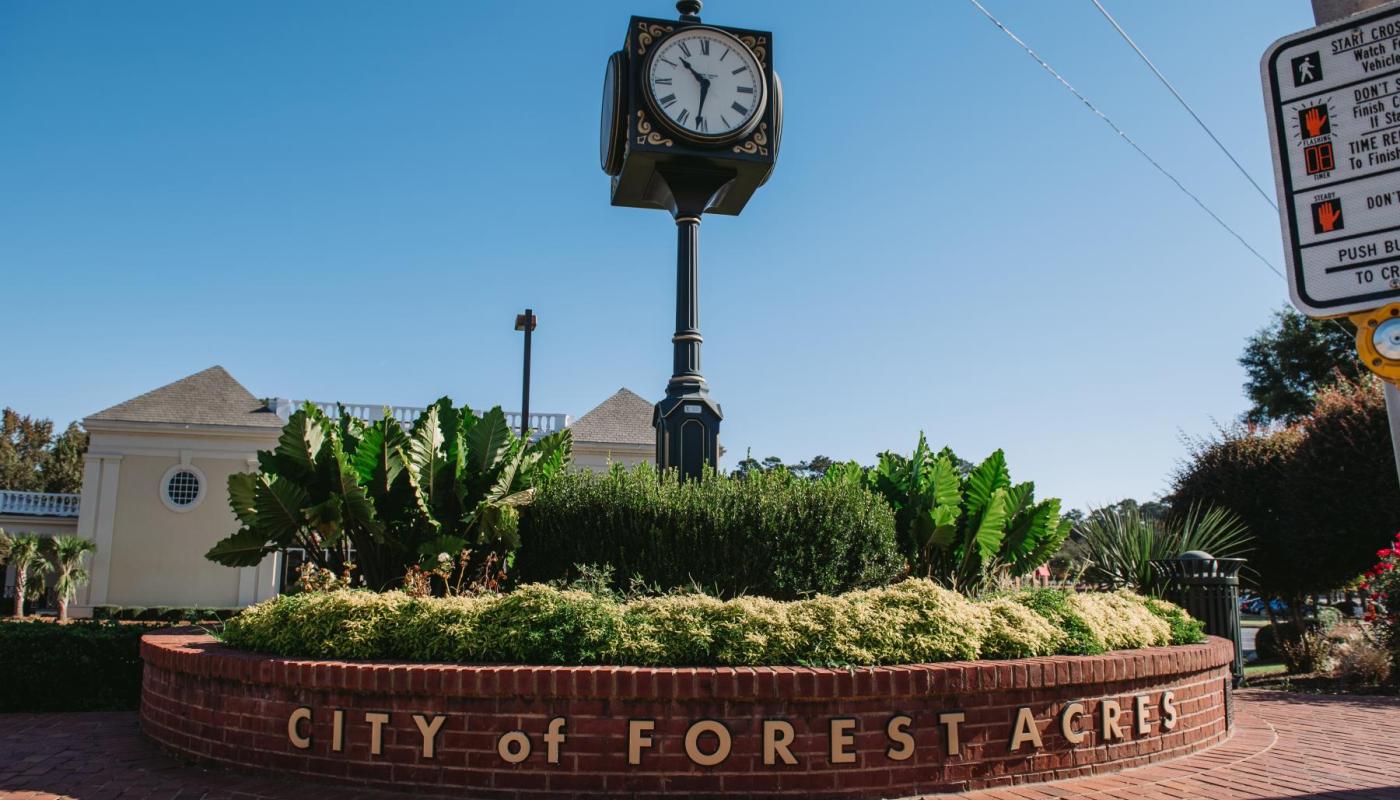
(706, 84)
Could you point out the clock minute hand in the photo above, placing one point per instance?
(704, 88)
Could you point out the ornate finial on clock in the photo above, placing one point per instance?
(690, 10)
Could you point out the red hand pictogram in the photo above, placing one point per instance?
(1314, 120)
(1327, 216)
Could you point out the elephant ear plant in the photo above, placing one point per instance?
(963, 527)
(385, 497)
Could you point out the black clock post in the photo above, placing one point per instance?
(692, 118)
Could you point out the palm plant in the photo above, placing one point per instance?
(66, 555)
(26, 556)
(1119, 545)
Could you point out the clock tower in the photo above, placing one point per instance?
(692, 119)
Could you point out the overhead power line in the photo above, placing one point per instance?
(1184, 104)
(1125, 137)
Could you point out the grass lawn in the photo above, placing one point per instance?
(1264, 670)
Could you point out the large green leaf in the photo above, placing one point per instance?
(487, 442)
(243, 549)
(378, 459)
(945, 482)
(983, 482)
(992, 528)
(301, 440)
(424, 452)
(279, 504)
(241, 489)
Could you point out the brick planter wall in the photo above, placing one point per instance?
(550, 732)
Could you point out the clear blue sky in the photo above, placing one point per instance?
(351, 200)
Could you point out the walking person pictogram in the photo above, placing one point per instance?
(1307, 69)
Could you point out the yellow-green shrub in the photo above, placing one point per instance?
(915, 621)
(1015, 631)
(1121, 620)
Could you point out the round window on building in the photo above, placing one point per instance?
(182, 488)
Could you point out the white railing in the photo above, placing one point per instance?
(540, 423)
(39, 504)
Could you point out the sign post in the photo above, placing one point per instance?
(1333, 97)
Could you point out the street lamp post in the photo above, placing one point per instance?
(525, 322)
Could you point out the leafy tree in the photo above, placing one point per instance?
(62, 471)
(66, 553)
(1320, 496)
(26, 557)
(1290, 359)
(395, 498)
(812, 469)
(32, 459)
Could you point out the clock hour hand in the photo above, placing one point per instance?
(704, 82)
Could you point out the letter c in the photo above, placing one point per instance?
(1067, 718)
(298, 741)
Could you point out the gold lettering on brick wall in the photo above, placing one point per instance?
(710, 742)
(299, 741)
(638, 736)
(1110, 729)
(950, 720)
(722, 746)
(901, 743)
(1141, 724)
(513, 747)
(429, 732)
(376, 731)
(553, 738)
(1025, 730)
(842, 740)
(1068, 715)
(337, 730)
(1168, 710)
(777, 735)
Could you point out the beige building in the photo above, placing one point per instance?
(154, 494)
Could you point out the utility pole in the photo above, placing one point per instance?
(1325, 11)
(525, 322)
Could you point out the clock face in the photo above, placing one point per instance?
(706, 84)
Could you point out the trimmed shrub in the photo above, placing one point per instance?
(1054, 605)
(770, 534)
(80, 666)
(1185, 629)
(915, 621)
(1121, 620)
(105, 612)
(131, 613)
(1014, 631)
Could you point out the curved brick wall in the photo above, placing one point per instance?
(537, 732)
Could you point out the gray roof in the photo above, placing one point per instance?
(624, 418)
(211, 397)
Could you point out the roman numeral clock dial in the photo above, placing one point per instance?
(705, 85)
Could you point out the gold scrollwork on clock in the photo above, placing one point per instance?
(757, 143)
(649, 134)
(759, 46)
(650, 32)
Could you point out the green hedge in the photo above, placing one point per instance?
(914, 621)
(163, 613)
(80, 666)
(769, 534)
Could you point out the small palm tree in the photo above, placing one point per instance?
(25, 556)
(66, 554)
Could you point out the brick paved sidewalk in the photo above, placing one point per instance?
(1285, 746)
